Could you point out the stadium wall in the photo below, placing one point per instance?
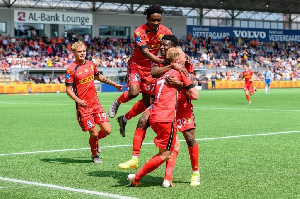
(175, 23)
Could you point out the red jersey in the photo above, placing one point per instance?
(145, 37)
(82, 81)
(165, 99)
(247, 75)
(182, 93)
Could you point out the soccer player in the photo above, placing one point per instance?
(80, 87)
(147, 39)
(248, 75)
(268, 76)
(162, 115)
(184, 117)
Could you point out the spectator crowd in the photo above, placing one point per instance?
(231, 53)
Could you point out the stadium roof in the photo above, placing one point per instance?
(274, 6)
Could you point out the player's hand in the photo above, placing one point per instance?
(82, 103)
(181, 68)
(172, 81)
(119, 87)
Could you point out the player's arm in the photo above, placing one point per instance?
(191, 91)
(103, 79)
(145, 51)
(174, 81)
(71, 94)
(157, 71)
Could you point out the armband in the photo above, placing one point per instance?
(96, 74)
(186, 81)
(189, 86)
(69, 84)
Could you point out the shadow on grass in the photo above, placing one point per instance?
(66, 160)
(121, 177)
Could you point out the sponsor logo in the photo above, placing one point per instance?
(86, 70)
(189, 121)
(136, 77)
(68, 76)
(21, 16)
(68, 71)
(92, 67)
(138, 40)
(249, 34)
(89, 124)
(87, 79)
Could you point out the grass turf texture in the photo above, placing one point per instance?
(231, 165)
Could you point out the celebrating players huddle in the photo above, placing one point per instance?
(162, 77)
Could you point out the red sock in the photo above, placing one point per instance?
(101, 135)
(248, 98)
(194, 156)
(137, 108)
(170, 164)
(138, 138)
(123, 98)
(150, 166)
(93, 144)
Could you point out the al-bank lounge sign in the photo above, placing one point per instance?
(46, 17)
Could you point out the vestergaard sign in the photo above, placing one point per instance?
(45, 17)
(219, 33)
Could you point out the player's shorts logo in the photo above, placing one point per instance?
(21, 16)
(89, 124)
(136, 77)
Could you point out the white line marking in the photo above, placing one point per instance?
(247, 109)
(195, 107)
(130, 145)
(66, 188)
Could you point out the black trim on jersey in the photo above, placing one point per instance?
(129, 73)
(169, 145)
(143, 47)
(76, 93)
(189, 86)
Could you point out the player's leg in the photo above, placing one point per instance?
(193, 148)
(149, 166)
(93, 141)
(165, 141)
(146, 89)
(170, 165)
(246, 89)
(138, 138)
(133, 84)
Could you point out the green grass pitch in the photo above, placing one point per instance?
(245, 151)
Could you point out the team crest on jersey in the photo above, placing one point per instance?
(136, 77)
(160, 36)
(92, 67)
(137, 33)
(189, 121)
(89, 124)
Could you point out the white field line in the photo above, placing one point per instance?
(66, 188)
(130, 145)
(195, 107)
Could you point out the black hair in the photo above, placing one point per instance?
(155, 8)
(172, 38)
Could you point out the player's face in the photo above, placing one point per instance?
(154, 21)
(246, 67)
(80, 53)
(164, 46)
(182, 58)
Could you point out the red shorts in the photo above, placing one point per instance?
(165, 134)
(137, 77)
(89, 117)
(249, 87)
(185, 116)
